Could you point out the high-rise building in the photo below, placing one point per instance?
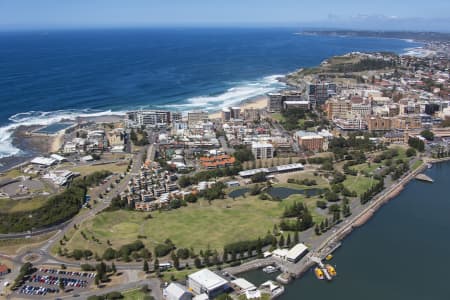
(197, 117)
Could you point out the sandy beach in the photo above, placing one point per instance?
(258, 102)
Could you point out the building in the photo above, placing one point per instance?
(252, 114)
(310, 141)
(217, 161)
(149, 118)
(301, 105)
(176, 116)
(275, 102)
(262, 150)
(337, 108)
(296, 253)
(226, 114)
(69, 148)
(278, 169)
(176, 291)
(44, 161)
(350, 124)
(196, 117)
(377, 123)
(207, 282)
(235, 112)
(318, 93)
(3, 270)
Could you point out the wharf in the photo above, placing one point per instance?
(423, 177)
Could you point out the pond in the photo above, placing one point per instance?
(284, 192)
(238, 193)
(279, 192)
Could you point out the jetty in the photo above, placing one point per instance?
(423, 177)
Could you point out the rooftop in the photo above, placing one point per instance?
(208, 279)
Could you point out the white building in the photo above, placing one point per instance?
(207, 282)
(262, 150)
(296, 253)
(176, 291)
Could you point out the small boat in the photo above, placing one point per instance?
(429, 166)
(329, 257)
(270, 269)
(331, 270)
(319, 273)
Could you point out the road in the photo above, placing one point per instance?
(43, 252)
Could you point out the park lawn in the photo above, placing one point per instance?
(177, 275)
(11, 174)
(417, 164)
(10, 206)
(135, 294)
(89, 169)
(277, 117)
(359, 184)
(198, 225)
(365, 167)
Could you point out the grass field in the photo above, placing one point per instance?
(88, 169)
(136, 294)
(417, 164)
(198, 225)
(12, 246)
(8, 205)
(359, 184)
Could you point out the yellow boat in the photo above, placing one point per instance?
(329, 257)
(331, 270)
(319, 273)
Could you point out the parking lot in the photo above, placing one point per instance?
(45, 282)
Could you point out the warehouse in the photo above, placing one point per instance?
(208, 282)
(296, 253)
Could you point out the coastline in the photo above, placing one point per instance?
(334, 241)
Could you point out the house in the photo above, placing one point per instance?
(208, 282)
(3, 270)
(176, 291)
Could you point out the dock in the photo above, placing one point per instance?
(423, 177)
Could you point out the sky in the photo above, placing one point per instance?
(361, 14)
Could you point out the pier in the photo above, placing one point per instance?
(423, 177)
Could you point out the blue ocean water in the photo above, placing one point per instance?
(45, 76)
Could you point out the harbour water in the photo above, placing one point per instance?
(401, 253)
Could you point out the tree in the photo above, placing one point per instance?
(113, 268)
(156, 266)
(288, 240)
(61, 284)
(427, 134)
(281, 241)
(97, 280)
(317, 230)
(411, 152)
(145, 267)
(197, 263)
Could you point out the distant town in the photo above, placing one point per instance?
(177, 204)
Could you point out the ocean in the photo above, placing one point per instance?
(401, 253)
(47, 76)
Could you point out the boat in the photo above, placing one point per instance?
(429, 166)
(319, 273)
(329, 257)
(331, 270)
(270, 269)
(274, 289)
